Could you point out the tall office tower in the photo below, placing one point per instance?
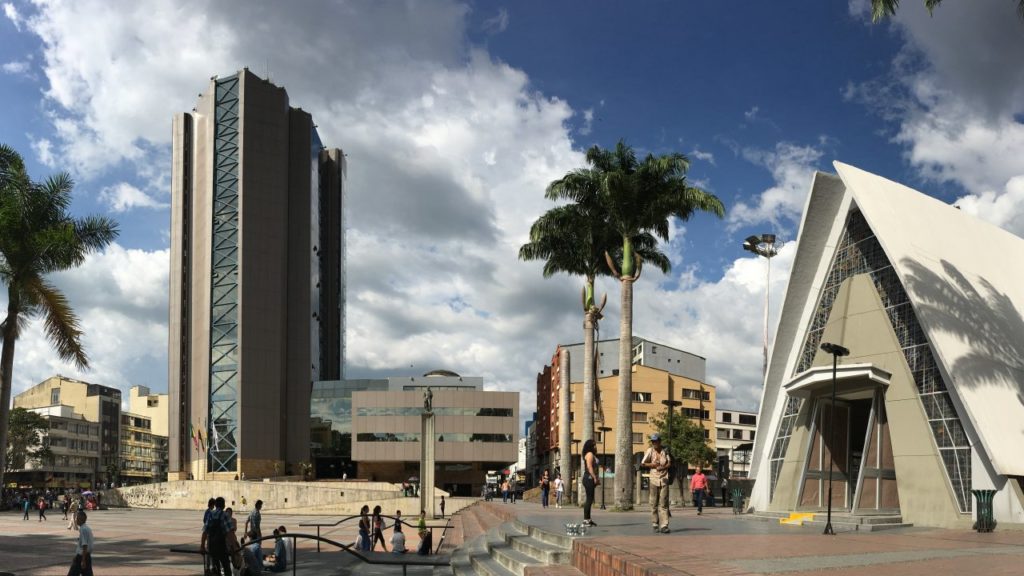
(256, 283)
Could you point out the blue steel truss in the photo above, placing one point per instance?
(223, 417)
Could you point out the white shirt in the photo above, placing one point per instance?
(558, 484)
(398, 542)
(84, 539)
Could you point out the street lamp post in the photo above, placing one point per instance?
(670, 403)
(836, 351)
(768, 246)
(604, 448)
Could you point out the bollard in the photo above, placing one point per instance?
(985, 521)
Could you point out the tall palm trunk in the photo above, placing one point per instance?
(586, 407)
(10, 329)
(564, 427)
(624, 420)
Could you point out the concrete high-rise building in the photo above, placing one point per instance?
(256, 283)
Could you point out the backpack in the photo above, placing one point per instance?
(215, 533)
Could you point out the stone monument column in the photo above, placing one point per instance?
(427, 458)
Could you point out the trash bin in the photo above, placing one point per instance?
(985, 522)
(737, 500)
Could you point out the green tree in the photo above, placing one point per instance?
(25, 440)
(573, 239)
(885, 8)
(687, 444)
(640, 196)
(39, 237)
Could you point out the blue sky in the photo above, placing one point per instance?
(455, 115)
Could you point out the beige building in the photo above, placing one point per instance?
(476, 431)
(143, 451)
(94, 403)
(928, 301)
(256, 272)
(155, 407)
(75, 444)
(651, 386)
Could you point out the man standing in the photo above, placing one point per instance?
(215, 534)
(82, 564)
(252, 523)
(698, 485)
(658, 462)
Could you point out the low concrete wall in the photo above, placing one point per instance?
(331, 498)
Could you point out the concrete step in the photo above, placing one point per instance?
(842, 521)
(559, 540)
(511, 559)
(542, 552)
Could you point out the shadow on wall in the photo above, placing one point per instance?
(985, 319)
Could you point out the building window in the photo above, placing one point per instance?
(55, 396)
(748, 419)
(572, 416)
(643, 397)
(638, 437)
(696, 413)
(639, 416)
(737, 434)
(723, 433)
(727, 417)
(707, 433)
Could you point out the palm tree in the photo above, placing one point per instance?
(573, 238)
(640, 196)
(38, 237)
(885, 8)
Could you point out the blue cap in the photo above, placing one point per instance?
(655, 437)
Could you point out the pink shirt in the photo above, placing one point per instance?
(698, 481)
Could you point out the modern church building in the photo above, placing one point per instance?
(930, 400)
(256, 282)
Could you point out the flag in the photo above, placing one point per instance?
(215, 435)
(192, 434)
(202, 446)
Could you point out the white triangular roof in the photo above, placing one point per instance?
(965, 281)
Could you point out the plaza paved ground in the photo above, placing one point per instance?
(137, 542)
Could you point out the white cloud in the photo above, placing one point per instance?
(16, 67)
(11, 11)
(752, 113)
(704, 156)
(122, 197)
(791, 166)
(955, 95)
(588, 122)
(120, 297)
(497, 23)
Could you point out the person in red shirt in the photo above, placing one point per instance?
(698, 484)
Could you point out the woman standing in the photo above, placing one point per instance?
(545, 489)
(378, 530)
(363, 543)
(234, 549)
(559, 490)
(590, 479)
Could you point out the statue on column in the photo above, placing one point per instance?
(428, 401)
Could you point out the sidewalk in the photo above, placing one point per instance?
(719, 542)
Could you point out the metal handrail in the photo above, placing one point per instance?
(319, 525)
(351, 549)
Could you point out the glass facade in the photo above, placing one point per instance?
(859, 252)
(438, 411)
(331, 423)
(223, 413)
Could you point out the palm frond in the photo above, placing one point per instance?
(883, 9)
(60, 322)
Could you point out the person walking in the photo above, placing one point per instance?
(42, 508)
(82, 564)
(590, 479)
(363, 542)
(64, 507)
(698, 485)
(442, 506)
(252, 523)
(725, 491)
(378, 530)
(545, 489)
(559, 490)
(234, 549)
(73, 512)
(504, 492)
(25, 504)
(657, 460)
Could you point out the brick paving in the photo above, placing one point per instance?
(137, 542)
